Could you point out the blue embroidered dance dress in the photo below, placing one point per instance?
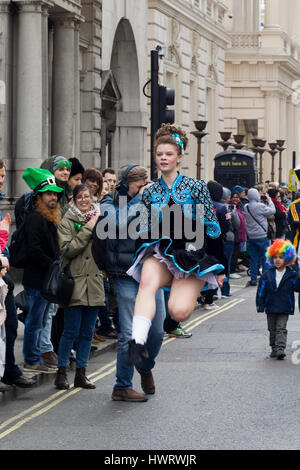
(179, 254)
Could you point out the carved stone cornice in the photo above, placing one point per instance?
(34, 6)
(192, 19)
(5, 7)
(67, 20)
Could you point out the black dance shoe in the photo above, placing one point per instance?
(136, 353)
(170, 324)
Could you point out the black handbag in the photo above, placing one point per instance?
(59, 283)
(21, 301)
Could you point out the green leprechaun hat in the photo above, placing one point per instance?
(40, 180)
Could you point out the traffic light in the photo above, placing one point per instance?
(161, 98)
(166, 98)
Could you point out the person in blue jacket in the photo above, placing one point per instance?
(275, 293)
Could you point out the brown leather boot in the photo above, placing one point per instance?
(81, 380)
(127, 394)
(61, 380)
(147, 381)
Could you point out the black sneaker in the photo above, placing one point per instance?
(251, 283)
(280, 354)
(170, 324)
(136, 353)
(22, 381)
(273, 353)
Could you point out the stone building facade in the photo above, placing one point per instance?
(39, 68)
(124, 116)
(72, 74)
(193, 35)
(71, 77)
(262, 76)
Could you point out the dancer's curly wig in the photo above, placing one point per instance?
(164, 136)
(284, 247)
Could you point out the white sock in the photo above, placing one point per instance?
(140, 329)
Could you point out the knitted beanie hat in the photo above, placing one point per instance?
(216, 190)
(76, 167)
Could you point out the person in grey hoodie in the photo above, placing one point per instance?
(256, 214)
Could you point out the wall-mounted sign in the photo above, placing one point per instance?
(293, 179)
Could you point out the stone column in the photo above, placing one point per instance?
(283, 134)
(251, 16)
(272, 116)
(63, 87)
(293, 13)
(290, 130)
(238, 16)
(29, 90)
(45, 68)
(296, 127)
(76, 150)
(272, 14)
(6, 91)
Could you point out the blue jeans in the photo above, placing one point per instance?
(126, 290)
(45, 336)
(79, 325)
(35, 322)
(228, 251)
(257, 251)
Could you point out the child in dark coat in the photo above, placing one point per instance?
(275, 293)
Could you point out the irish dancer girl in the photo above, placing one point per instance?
(172, 259)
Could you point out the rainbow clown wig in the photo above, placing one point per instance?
(284, 247)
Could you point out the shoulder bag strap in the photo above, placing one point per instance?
(247, 207)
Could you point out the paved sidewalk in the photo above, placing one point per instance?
(108, 345)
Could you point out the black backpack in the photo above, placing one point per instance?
(18, 248)
(23, 207)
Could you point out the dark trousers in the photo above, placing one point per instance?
(57, 328)
(234, 257)
(277, 328)
(11, 370)
(105, 326)
(209, 296)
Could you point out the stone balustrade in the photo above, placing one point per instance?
(214, 9)
(246, 40)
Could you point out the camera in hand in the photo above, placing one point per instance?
(264, 198)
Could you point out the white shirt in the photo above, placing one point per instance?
(279, 276)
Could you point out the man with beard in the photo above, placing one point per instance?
(42, 249)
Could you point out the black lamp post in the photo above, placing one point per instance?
(199, 134)
(238, 141)
(259, 149)
(281, 148)
(272, 152)
(225, 136)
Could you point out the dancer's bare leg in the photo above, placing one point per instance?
(154, 276)
(183, 297)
